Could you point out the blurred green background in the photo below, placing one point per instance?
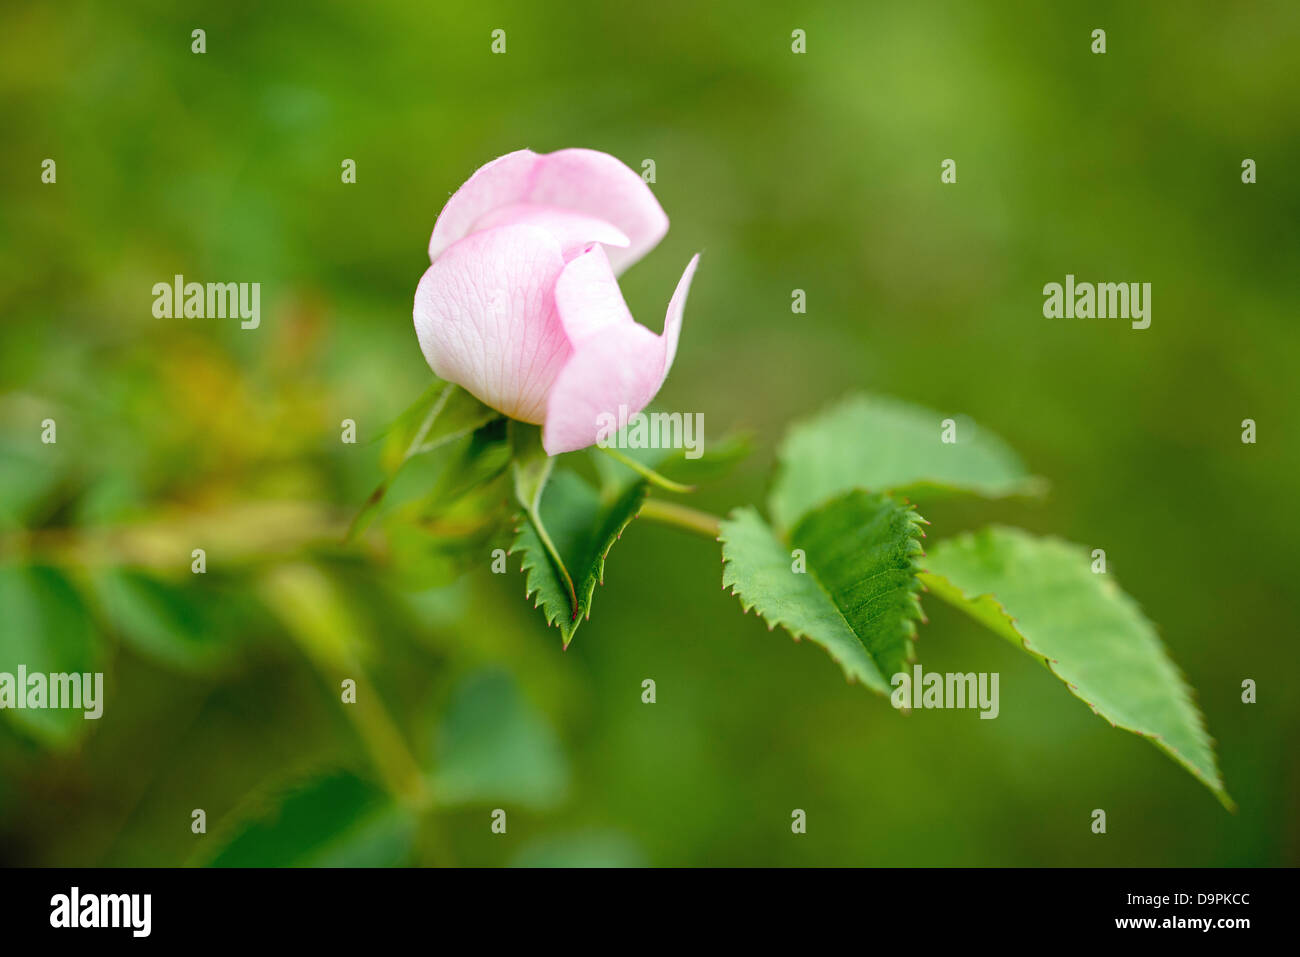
(817, 171)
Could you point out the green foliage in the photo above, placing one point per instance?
(530, 468)
(493, 746)
(886, 445)
(30, 473)
(1041, 594)
(451, 508)
(48, 629)
(445, 415)
(530, 465)
(337, 820)
(183, 627)
(857, 597)
(567, 527)
(583, 526)
(914, 287)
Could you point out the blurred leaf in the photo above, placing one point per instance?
(47, 628)
(334, 821)
(858, 595)
(443, 415)
(494, 746)
(436, 552)
(1041, 594)
(583, 527)
(584, 849)
(31, 473)
(179, 626)
(462, 511)
(882, 444)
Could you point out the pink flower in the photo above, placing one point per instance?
(521, 306)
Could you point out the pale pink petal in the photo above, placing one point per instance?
(587, 296)
(574, 231)
(598, 184)
(676, 307)
(486, 319)
(587, 182)
(617, 366)
(502, 182)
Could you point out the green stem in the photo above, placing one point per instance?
(682, 516)
(649, 474)
(314, 616)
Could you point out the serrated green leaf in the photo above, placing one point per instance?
(886, 445)
(495, 746)
(583, 527)
(857, 598)
(48, 630)
(530, 468)
(1041, 594)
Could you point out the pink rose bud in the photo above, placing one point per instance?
(521, 306)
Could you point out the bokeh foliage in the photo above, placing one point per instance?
(818, 172)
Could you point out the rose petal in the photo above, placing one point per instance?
(486, 319)
(502, 182)
(621, 366)
(574, 231)
(582, 181)
(587, 296)
(676, 309)
(617, 366)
